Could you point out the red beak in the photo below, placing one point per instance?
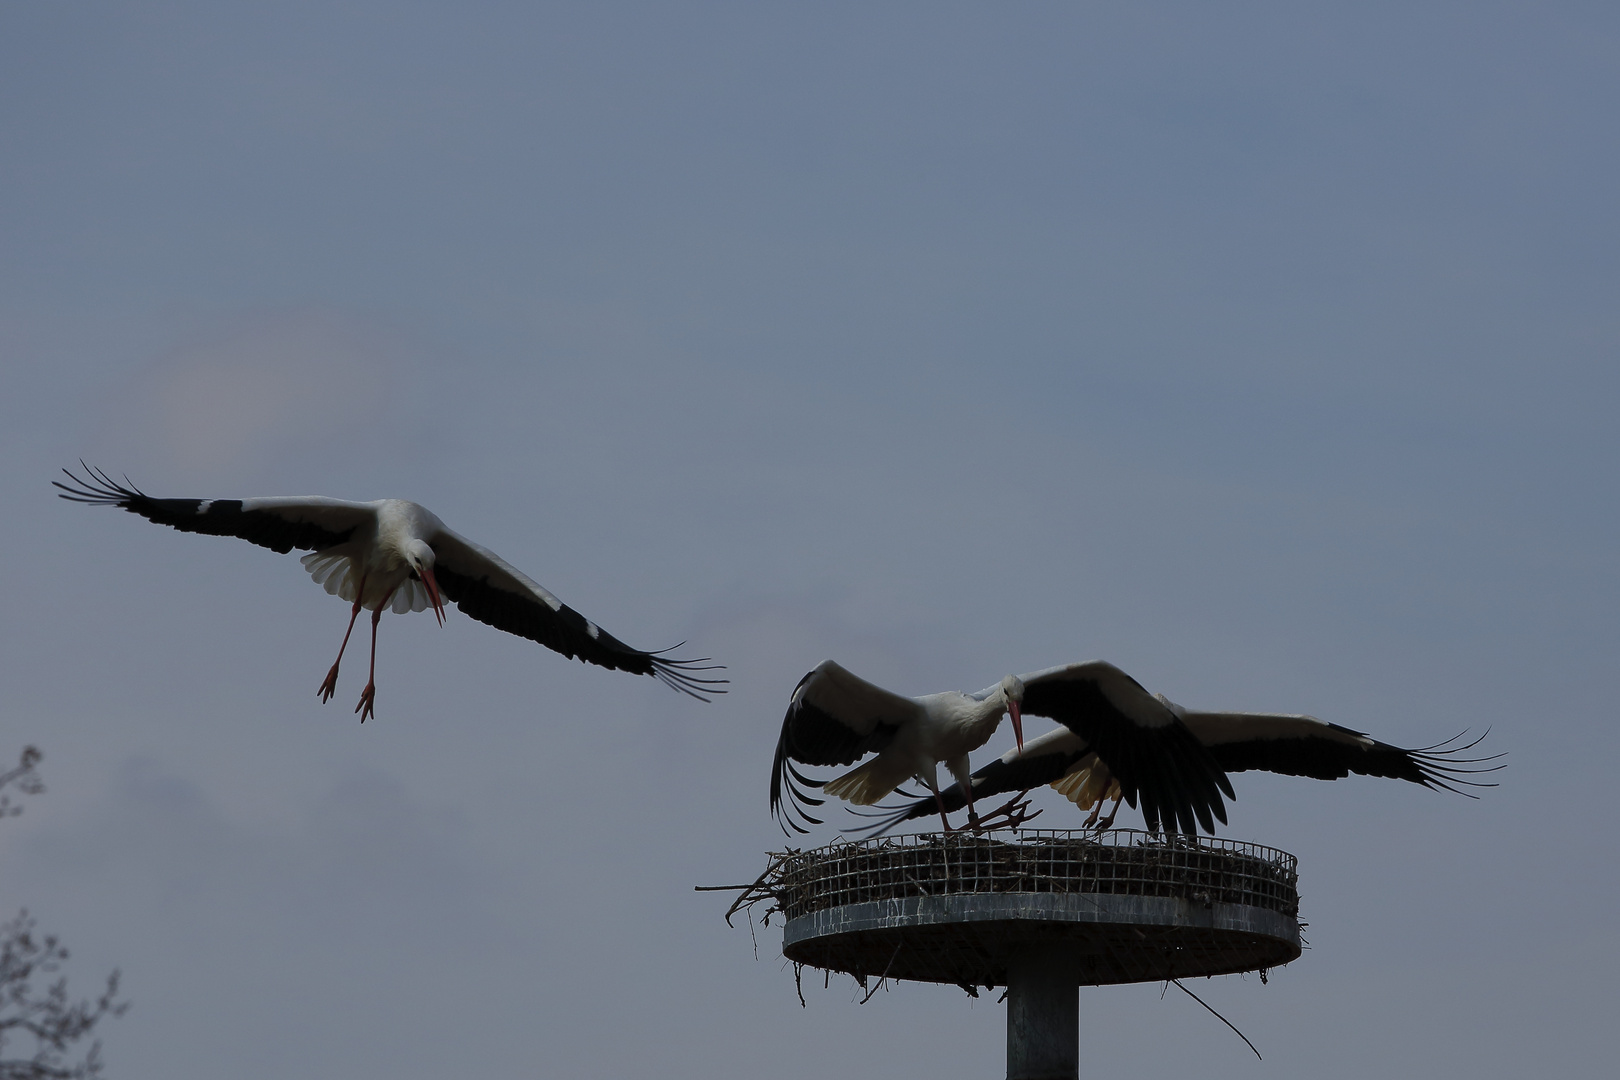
(1018, 723)
(433, 594)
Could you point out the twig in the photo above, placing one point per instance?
(747, 895)
(1217, 1015)
(884, 976)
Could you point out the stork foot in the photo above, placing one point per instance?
(329, 687)
(368, 701)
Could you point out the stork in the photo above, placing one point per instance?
(1287, 743)
(395, 554)
(836, 718)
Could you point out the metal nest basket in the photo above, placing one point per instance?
(1108, 907)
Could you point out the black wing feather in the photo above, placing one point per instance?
(1316, 758)
(812, 736)
(566, 631)
(213, 517)
(1439, 766)
(1176, 778)
(1309, 753)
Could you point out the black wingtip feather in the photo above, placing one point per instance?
(789, 799)
(1440, 768)
(677, 675)
(96, 488)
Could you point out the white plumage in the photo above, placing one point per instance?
(393, 554)
(835, 718)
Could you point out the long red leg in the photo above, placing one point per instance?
(939, 800)
(1108, 822)
(368, 696)
(329, 687)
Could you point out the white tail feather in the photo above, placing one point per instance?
(865, 784)
(332, 572)
(411, 596)
(1085, 786)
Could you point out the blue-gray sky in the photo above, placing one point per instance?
(1269, 351)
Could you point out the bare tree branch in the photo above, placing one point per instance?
(44, 1014)
(23, 779)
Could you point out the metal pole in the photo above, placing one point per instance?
(1043, 1016)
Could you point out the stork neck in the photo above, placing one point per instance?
(988, 713)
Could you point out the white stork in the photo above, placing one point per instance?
(1291, 744)
(835, 718)
(396, 554)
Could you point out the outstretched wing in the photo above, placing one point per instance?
(1298, 745)
(1149, 750)
(489, 589)
(305, 522)
(833, 718)
(1290, 744)
(1043, 761)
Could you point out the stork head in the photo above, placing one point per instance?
(420, 557)
(1012, 692)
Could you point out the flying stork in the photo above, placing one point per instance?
(835, 718)
(396, 554)
(1291, 744)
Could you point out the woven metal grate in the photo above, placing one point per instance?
(1121, 861)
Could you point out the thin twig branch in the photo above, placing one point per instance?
(1217, 1015)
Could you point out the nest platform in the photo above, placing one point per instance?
(1041, 912)
(1112, 907)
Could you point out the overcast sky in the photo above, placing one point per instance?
(1268, 351)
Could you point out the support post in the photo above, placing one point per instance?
(1043, 1016)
